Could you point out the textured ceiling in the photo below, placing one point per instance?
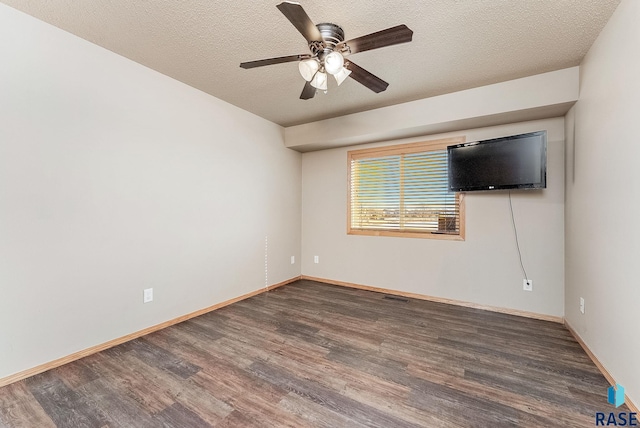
(457, 44)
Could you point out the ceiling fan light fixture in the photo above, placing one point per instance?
(342, 75)
(327, 48)
(308, 68)
(334, 62)
(319, 81)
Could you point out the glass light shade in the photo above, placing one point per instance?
(333, 62)
(319, 81)
(308, 68)
(342, 75)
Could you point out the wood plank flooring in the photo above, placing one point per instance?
(310, 354)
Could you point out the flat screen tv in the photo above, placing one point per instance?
(516, 162)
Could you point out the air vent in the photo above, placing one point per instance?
(399, 299)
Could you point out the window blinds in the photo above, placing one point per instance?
(406, 192)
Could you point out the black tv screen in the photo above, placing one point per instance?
(516, 162)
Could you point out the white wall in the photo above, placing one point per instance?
(114, 178)
(530, 98)
(483, 269)
(602, 208)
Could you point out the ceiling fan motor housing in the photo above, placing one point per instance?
(332, 35)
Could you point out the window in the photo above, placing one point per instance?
(403, 191)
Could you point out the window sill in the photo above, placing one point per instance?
(396, 234)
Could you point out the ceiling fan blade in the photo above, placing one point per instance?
(362, 76)
(299, 18)
(308, 92)
(390, 36)
(276, 60)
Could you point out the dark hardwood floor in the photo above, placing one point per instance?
(309, 354)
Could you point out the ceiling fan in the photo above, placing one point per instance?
(328, 51)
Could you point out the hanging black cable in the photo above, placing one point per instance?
(515, 231)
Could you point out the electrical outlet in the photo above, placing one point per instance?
(527, 284)
(582, 305)
(293, 260)
(316, 259)
(147, 295)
